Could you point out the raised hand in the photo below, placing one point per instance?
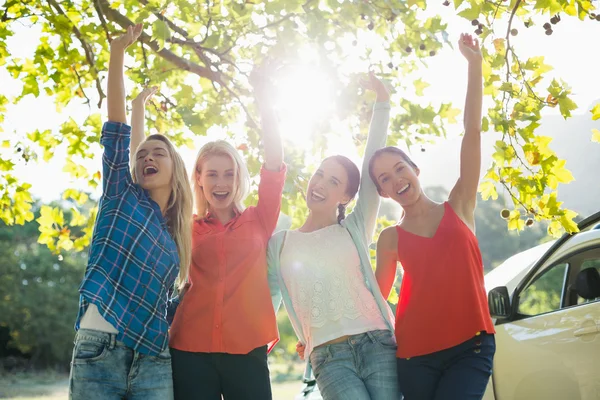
(469, 47)
(260, 77)
(125, 40)
(145, 95)
(376, 85)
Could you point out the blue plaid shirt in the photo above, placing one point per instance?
(133, 260)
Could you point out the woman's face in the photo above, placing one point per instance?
(397, 179)
(327, 187)
(153, 165)
(217, 180)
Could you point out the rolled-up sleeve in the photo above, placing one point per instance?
(116, 176)
(270, 190)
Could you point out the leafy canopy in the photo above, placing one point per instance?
(201, 51)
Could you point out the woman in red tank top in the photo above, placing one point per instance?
(444, 330)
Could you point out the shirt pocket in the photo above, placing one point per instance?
(247, 231)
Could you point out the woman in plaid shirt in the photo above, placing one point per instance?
(141, 241)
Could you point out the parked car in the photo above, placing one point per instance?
(546, 305)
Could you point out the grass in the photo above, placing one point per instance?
(286, 383)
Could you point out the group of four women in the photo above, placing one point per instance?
(232, 273)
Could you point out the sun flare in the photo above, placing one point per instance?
(303, 97)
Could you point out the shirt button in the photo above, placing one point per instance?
(217, 326)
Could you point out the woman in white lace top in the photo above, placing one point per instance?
(322, 272)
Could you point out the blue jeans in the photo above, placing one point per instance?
(361, 368)
(460, 372)
(103, 368)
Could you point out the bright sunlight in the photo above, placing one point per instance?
(303, 97)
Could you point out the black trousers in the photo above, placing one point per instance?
(207, 376)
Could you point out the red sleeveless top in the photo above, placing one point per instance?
(442, 301)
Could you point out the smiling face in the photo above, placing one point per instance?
(153, 165)
(217, 181)
(328, 187)
(396, 178)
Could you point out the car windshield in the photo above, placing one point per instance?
(511, 271)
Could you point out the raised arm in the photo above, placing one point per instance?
(116, 134)
(138, 120)
(463, 196)
(387, 260)
(115, 100)
(364, 214)
(271, 138)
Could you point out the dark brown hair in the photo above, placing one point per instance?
(378, 153)
(352, 184)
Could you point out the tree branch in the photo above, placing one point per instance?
(205, 72)
(279, 21)
(121, 20)
(89, 53)
(169, 23)
(5, 17)
(88, 101)
(102, 20)
(508, 29)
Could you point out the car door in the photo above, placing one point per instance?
(551, 348)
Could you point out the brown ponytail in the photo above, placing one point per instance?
(341, 212)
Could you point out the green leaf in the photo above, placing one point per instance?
(539, 67)
(485, 124)
(470, 13)
(566, 105)
(567, 222)
(6, 165)
(562, 174)
(212, 41)
(420, 86)
(595, 112)
(488, 190)
(161, 31)
(515, 222)
(446, 111)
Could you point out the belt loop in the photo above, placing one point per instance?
(112, 341)
(372, 337)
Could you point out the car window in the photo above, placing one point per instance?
(589, 263)
(544, 294)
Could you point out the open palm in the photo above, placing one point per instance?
(125, 40)
(376, 85)
(469, 47)
(145, 95)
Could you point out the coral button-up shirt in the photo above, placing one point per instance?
(228, 308)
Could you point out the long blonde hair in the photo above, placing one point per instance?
(179, 210)
(241, 176)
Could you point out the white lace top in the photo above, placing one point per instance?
(321, 270)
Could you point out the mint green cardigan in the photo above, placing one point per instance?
(360, 224)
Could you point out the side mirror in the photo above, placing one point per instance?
(499, 302)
